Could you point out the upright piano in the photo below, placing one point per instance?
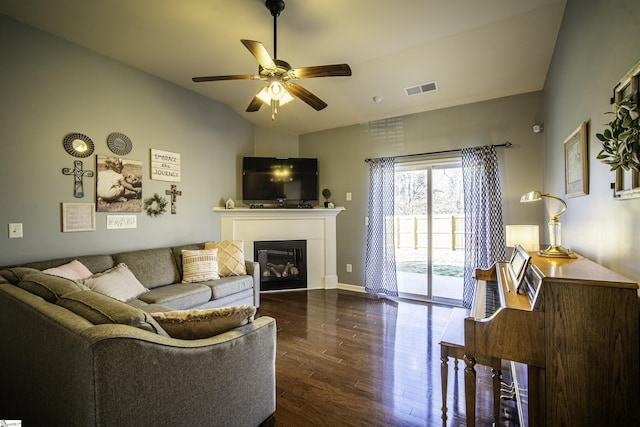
(571, 333)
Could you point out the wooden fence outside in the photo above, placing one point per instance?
(412, 232)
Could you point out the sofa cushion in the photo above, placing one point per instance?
(49, 287)
(74, 270)
(100, 309)
(230, 257)
(197, 324)
(152, 267)
(178, 296)
(226, 286)
(117, 282)
(200, 265)
(15, 274)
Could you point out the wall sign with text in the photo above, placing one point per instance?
(165, 165)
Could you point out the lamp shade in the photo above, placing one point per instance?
(527, 236)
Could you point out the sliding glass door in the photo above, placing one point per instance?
(429, 227)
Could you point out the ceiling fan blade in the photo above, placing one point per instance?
(260, 53)
(255, 105)
(323, 71)
(306, 96)
(231, 77)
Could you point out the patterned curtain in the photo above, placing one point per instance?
(380, 266)
(484, 229)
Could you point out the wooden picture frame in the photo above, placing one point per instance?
(78, 217)
(576, 162)
(627, 185)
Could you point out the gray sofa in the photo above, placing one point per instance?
(59, 367)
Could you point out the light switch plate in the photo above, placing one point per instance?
(15, 230)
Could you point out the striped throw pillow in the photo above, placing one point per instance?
(198, 266)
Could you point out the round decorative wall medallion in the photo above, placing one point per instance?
(78, 145)
(119, 144)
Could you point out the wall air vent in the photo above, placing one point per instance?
(422, 88)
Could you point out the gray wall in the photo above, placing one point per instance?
(49, 88)
(341, 153)
(598, 43)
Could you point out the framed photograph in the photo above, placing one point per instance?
(576, 163)
(119, 184)
(78, 217)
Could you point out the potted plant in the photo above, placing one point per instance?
(621, 140)
(326, 193)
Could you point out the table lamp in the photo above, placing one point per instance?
(555, 249)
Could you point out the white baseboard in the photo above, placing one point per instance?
(353, 288)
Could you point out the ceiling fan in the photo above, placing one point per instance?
(279, 76)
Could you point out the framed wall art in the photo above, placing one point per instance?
(165, 165)
(576, 162)
(627, 184)
(119, 184)
(78, 217)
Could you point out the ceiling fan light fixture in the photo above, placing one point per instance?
(276, 90)
(265, 96)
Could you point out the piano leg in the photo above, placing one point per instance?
(470, 389)
(496, 374)
(444, 373)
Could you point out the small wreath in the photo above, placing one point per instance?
(155, 205)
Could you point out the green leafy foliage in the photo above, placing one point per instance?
(621, 140)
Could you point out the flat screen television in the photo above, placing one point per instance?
(279, 181)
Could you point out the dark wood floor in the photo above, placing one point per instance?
(346, 359)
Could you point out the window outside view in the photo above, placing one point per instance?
(429, 227)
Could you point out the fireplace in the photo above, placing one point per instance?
(283, 264)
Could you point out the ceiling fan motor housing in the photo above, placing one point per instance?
(275, 7)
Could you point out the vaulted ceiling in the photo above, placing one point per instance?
(474, 50)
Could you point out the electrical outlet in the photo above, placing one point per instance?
(348, 196)
(349, 268)
(15, 230)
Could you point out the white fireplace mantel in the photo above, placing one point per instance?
(317, 226)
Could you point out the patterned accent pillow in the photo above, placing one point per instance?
(230, 257)
(198, 324)
(199, 265)
(74, 270)
(117, 282)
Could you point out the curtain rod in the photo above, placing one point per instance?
(406, 156)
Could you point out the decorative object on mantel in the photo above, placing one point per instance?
(555, 249)
(173, 193)
(119, 144)
(229, 204)
(78, 145)
(155, 206)
(78, 174)
(165, 165)
(576, 162)
(621, 139)
(326, 193)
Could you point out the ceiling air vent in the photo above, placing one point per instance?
(422, 88)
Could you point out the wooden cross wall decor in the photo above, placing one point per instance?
(173, 193)
(78, 174)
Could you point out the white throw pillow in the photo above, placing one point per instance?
(199, 265)
(74, 270)
(117, 282)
